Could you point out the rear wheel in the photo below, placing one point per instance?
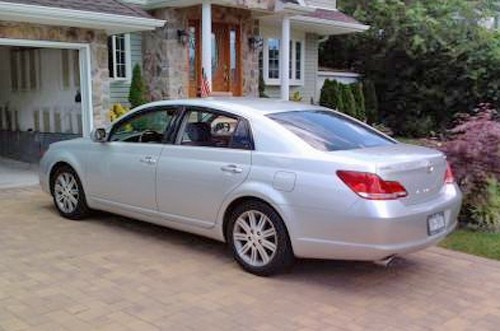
(68, 194)
(259, 239)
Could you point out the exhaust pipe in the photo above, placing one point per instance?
(387, 262)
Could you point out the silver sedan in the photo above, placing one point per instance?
(275, 180)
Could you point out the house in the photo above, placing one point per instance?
(63, 63)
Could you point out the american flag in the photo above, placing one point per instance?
(205, 85)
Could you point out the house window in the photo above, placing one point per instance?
(274, 58)
(119, 56)
(271, 61)
(24, 69)
(298, 60)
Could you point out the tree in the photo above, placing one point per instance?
(325, 96)
(371, 103)
(339, 99)
(138, 92)
(427, 59)
(349, 101)
(357, 91)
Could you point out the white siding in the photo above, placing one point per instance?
(119, 90)
(325, 4)
(311, 67)
(307, 91)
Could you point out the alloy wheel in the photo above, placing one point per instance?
(66, 192)
(255, 238)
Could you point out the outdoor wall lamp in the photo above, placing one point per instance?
(182, 37)
(256, 43)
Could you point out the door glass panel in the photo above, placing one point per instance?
(233, 53)
(215, 53)
(148, 127)
(192, 53)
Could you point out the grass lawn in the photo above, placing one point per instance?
(476, 243)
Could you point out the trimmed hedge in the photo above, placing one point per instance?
(346, 98)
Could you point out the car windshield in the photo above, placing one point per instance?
(329, 131)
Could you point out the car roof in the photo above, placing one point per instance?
(242, 106)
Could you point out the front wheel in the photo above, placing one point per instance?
(68, 194)
(259, 239)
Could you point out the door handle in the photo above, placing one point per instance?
(149, 160)
(232, 168)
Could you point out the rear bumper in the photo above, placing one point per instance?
(371, 231)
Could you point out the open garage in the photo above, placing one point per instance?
(40, 99)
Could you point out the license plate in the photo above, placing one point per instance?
(436, 224)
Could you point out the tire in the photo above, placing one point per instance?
(259, 239)
(67, 192)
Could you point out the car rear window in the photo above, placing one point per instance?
(328, 131)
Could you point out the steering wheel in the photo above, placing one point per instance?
(149, 136)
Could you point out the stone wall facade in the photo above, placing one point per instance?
(166, 67)
(165, 59)
(99, 55)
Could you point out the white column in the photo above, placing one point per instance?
(206, 40)
(86, 111)
(285, 58)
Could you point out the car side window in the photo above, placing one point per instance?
(212, 129)
(147, 127)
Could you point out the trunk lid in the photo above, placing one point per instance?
(420, 170)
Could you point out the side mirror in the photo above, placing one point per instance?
(99, 135)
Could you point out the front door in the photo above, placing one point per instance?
(226, 62)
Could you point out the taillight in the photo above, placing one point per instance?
(371, 186)
(448, 176)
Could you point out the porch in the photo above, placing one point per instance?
(226, 47)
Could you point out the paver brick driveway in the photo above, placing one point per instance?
(108, 273)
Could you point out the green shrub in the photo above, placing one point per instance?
(371, 102)
(417, 127)
(137, 93)
(349, 101)
(327, 95)
(357, 91)
(338, 96)
(486, 214)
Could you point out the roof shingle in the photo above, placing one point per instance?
(101, 6)
(333, 15)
